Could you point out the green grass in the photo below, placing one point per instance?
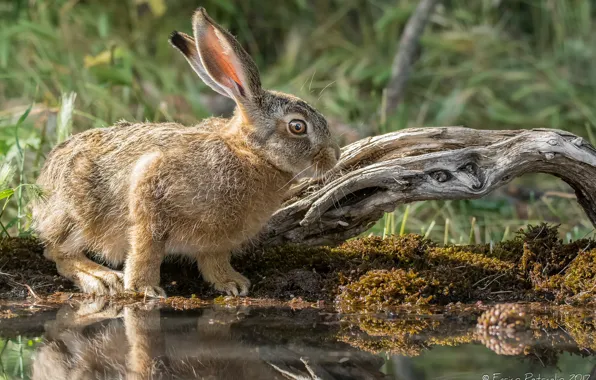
(15, 357)
(486, 64)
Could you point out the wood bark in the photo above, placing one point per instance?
(376, 174)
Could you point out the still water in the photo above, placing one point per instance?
(97, 340)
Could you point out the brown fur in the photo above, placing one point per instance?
(133, 193)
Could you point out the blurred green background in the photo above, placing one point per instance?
(483, 63)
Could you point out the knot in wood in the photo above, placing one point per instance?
(441, 175)
(470, 168)
(578, 141)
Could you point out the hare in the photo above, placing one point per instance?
(135, 192)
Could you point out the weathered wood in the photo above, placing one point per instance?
(376, 174)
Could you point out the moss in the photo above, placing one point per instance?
(371, 272)
(280, 271)
(449, 275)
(407, 249)
(545, 255)
(382, 289)
(579, 280)
(509, 251)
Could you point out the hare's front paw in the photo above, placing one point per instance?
(234, 284)
(148, 291)
(100, 282)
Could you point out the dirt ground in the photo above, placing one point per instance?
(367, 273)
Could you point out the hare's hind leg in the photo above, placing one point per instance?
(89, 276)
(216, 269)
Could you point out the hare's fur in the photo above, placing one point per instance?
(146, 188)
(133, 193)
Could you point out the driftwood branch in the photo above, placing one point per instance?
(376, 174)
(407, 48)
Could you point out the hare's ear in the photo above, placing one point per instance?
(186, 45)
(224, 59)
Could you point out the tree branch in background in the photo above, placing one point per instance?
(408, 45)
(376, 174)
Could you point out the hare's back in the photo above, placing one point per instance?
(86, 179)
(102, 153)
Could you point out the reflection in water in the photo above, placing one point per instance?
(98, 340)
(140, 342)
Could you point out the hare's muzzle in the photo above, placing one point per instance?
(326, 159)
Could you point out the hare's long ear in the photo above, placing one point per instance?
(186, 45)
(224, 59)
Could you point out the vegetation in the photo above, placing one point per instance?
(485, 64)
(70, 65)
(367, 274)
(15, 356)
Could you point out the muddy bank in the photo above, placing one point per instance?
(370, 273)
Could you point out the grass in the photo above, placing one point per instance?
(486, 64)
(15, 357)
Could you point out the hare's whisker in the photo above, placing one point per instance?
(294, 177)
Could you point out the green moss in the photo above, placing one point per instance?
(442, 275)
(544, 254)
(381, 289)
(579, 279)
(372, 272)
(406, 249)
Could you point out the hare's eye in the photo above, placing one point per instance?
(297, 127)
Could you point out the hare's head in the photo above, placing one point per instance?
(288, 132)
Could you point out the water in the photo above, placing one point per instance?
(98, 340)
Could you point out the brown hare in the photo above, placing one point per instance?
(133, 193)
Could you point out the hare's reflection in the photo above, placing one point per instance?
(98, 340)
(101, 341)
